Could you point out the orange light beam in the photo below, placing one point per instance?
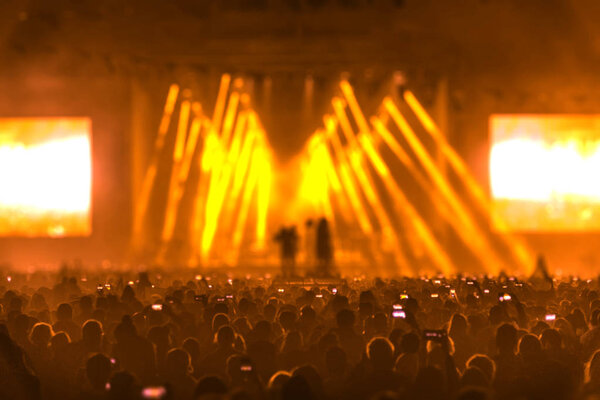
(238, 233)
(404, 206)
(351, 182)
(355, 161)
(190, 148)
(339, 108)
(321, 168)
(213, 201)
(238, 160)
(227, 170)
(368, 187)
(312, 184)
(363, 126)
(220, 103)
(335, 182)
(405, 159)
(184, 171)
(470, 232)
(204, 161)
(229, 120)
(243, 164)
(182, 128)
(150, 176)
(264, 191)
(347, 179)
(390, 240)
(438, 202)
(517, 247)
(364, 129)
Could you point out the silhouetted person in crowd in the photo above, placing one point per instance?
(134, 352)
(178, 373)
(214, 337)
(98, 369)
(65, 323)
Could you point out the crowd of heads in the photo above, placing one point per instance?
(185, 336)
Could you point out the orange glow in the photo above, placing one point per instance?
(229, 120)
(264, 191)
(243, 163)
(392, 143)
(238, 233)
(340, 112)
(314, 188)
(183, 171)
(146, 190)
(347, 179)
(200, 198)
(178, 150)
(220, 104)
(182, 128)
(541, 169)
(389, 238)
(354, 107)
(166, 118)
(45, 176)
(466, 227)
(404, 206)
(517, 247)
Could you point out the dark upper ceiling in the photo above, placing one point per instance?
(300, 35)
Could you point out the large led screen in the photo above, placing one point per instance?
(545, 171)
(45, 177)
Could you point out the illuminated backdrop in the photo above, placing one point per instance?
(45, 176)
(544, 171)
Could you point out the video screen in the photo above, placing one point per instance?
(45, 177)
(544, 171)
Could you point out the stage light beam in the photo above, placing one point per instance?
(184, 170)
(404, 206)
(470, 232)
(178, 150)
(346, 177)
(148, 181)
(519, 250)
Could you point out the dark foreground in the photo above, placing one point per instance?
(186, 336)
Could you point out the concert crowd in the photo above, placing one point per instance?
(167, 335)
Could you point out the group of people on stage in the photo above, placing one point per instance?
(318, 248)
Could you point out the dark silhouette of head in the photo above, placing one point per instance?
(336, 361)
(225, 337)
(210, 385)
(178, 362)
(410, 343)
(530, 348)
(473, 376)
(380, 352)
(91, 333)
(506, 339)
(98, 369)
(484, 363)
(64, 312)
(41, 334)
(345, 319)
(123, 385)
(297, 388)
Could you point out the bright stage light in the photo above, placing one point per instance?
(45, 177)
(543, 171)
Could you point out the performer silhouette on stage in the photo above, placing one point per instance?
(288, 241)
(324, 249)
